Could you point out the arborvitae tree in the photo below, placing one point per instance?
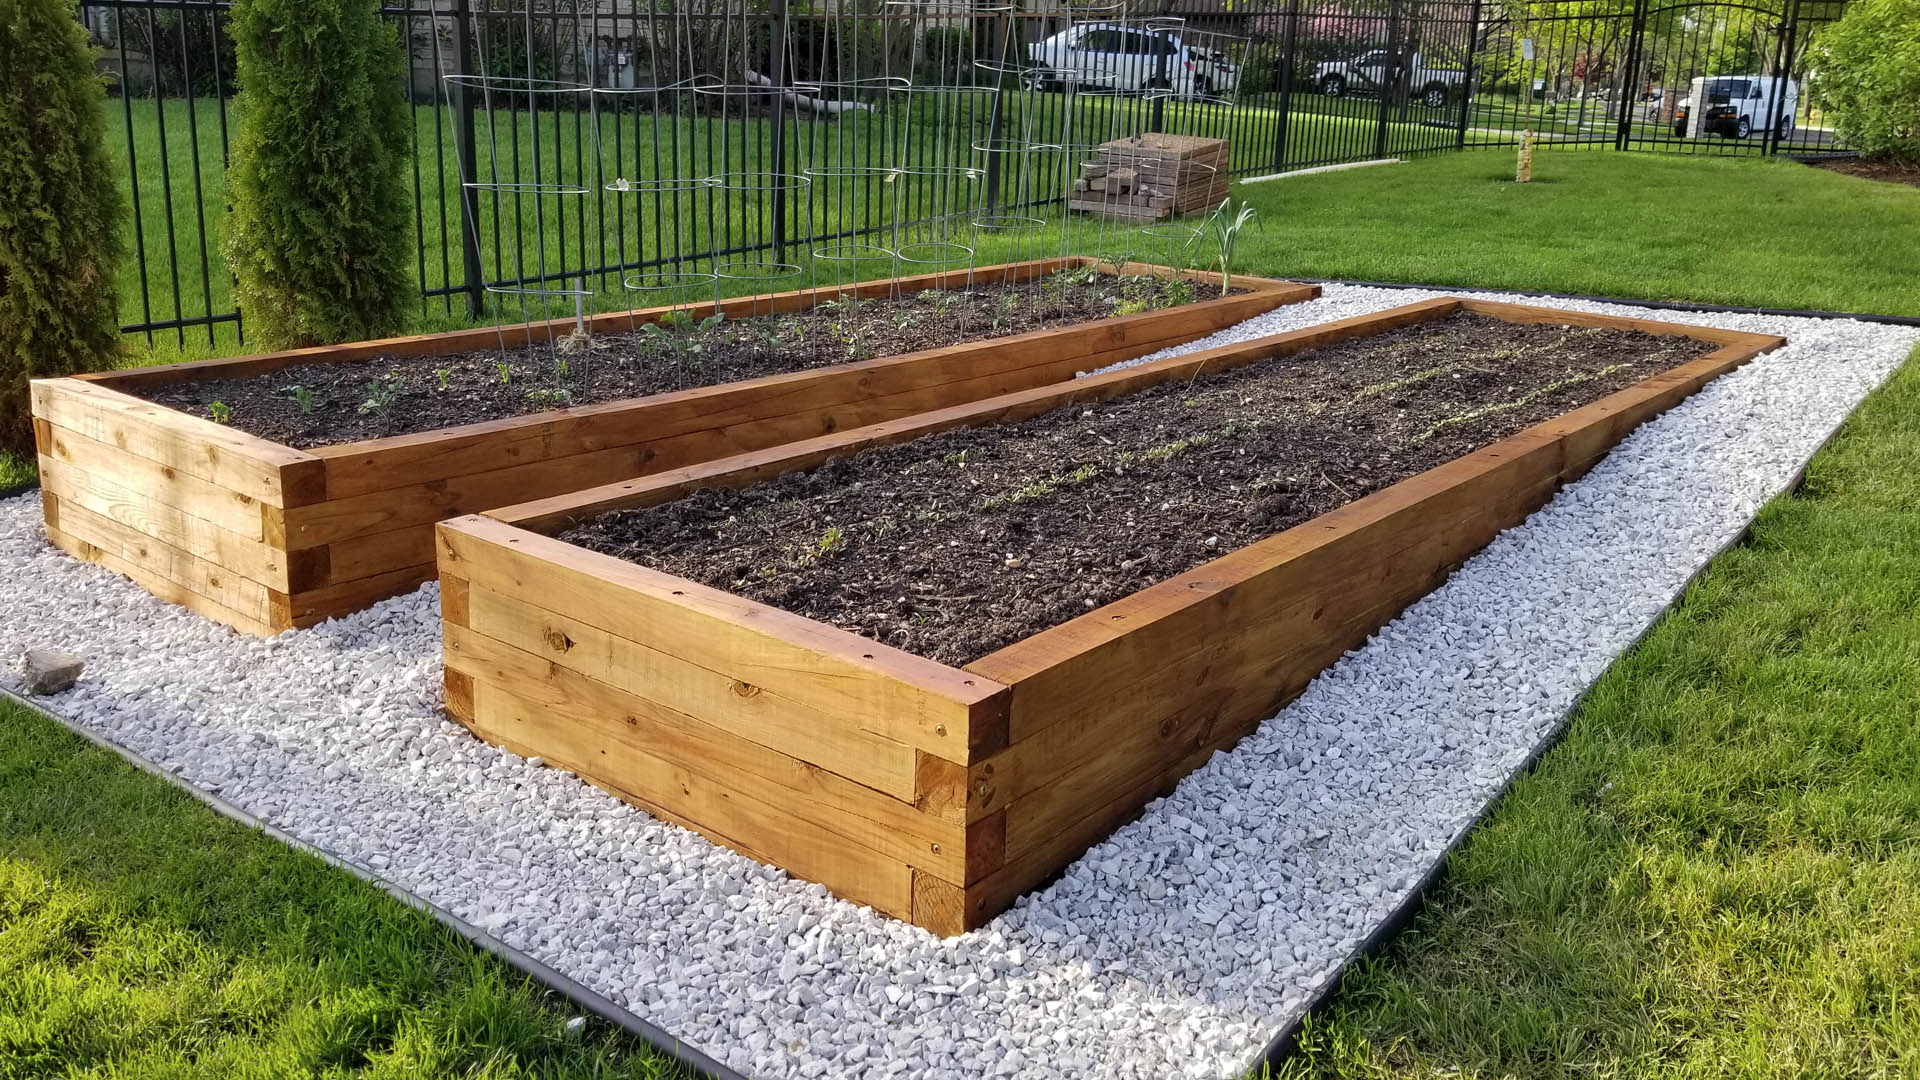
(60, 209)
(319, 237)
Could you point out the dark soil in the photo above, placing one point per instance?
(955, 545)
(1889, 171)
(389, 395)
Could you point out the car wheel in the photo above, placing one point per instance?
(1333, 86)
(1742, 129)
(1202, 87)
(1434, 96)
(1786, 127)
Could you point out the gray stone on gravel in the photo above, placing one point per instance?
(50, 671)
(1176, 948)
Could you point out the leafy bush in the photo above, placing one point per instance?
(319, 237)
(1868, 67)
(60, 209)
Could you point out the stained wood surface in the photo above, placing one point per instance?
(1110, 710)
(334, 529)
(861, 683)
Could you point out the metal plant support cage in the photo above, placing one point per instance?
(741, 149)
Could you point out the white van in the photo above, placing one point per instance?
(1736, 106)
(1129, 58)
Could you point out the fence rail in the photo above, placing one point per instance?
(919, 122)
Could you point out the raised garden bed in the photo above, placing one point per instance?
(939, 792)
(265, 536)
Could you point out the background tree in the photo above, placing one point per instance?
(60, 209)
(319, 237)
(1868, 77)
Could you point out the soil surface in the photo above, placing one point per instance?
(1892, 172)
(326, 404)
(958, 544)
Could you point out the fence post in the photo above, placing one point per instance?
(1783, 74)
(1289, 55)
(1466, 76)
(995, 113)
(778, 44)
(1390, 84)
(476, 274)
(1630, 76)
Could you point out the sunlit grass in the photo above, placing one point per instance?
(1717, 872)
(144, 936)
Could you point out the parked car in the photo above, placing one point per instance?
(1115, 56)
(1371, 71)
(1736, 106)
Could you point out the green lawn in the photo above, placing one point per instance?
(143, 936)
(1649, 226)
(1714, 875)
(1717, 873)
(181, 268)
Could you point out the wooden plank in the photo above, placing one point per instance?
(560, 707)
(559, 512)
(517, 335)
(891, 693)
(81, 463)
(239, 554)
(781, 724)
(1302, 597)
(183, 568)
(227, 458)
(1522, 313)
(841, 394)
(315, 606)
(732, 818)
(162, 587)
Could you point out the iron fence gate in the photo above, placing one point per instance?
(562, 145)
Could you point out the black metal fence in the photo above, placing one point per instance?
(575, 150)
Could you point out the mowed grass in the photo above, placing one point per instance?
(1759, 233)
(177, 178)
(1717, 872)
(142, 936)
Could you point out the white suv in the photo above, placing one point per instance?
(1118, 57)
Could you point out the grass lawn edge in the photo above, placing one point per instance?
(1282, 1047)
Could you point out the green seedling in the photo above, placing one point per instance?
(506, 373)
(1223, 227)
(302, 398)
(445, 376)
(382, 392)
(552, 397)
(221, 412)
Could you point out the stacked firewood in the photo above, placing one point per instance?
(1152, 177)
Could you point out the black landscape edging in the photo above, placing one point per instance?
(1655, 305)
(587, 999)
(1285, 1043)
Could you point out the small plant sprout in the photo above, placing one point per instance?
(506, 372)
(302, 398)
(222, 413)
(552, 397)
(382, 392)
(1223, 226)
(446, 378)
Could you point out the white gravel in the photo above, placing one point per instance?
(1177, 948)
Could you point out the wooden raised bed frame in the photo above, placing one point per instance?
(940, 794)
(263, 537)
